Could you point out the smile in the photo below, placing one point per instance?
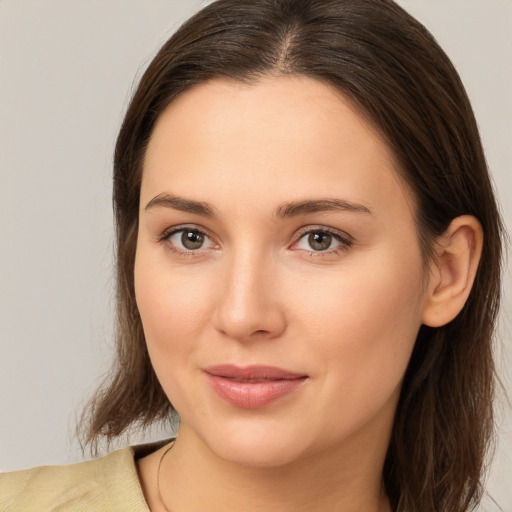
(252, 387)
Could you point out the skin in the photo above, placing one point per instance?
(256, 292)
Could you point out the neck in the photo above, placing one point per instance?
(342, 479)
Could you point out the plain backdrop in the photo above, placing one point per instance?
(67, 70)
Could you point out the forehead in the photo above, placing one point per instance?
(279, 135)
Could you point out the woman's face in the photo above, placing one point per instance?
(275, 232)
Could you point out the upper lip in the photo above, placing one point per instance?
(231, 371)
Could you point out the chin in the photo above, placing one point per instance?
(251, 455)
(253, 447)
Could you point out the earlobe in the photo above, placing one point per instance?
(453, 270)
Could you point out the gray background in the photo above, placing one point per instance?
(67, 69)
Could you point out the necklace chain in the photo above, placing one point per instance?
(159, 494)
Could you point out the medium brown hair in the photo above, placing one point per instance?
(390, 66)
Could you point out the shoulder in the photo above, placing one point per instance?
(106, 483)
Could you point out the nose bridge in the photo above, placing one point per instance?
(246, 303)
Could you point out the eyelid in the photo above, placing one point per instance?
(344, 238)
(164, 238)
(346, 241)
(182, 227)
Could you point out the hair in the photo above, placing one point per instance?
(392, 69)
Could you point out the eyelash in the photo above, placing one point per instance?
(345, 240)
(167, 234)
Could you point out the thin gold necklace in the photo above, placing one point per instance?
(159, 494)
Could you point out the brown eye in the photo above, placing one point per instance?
(192, 239)
(322, 241)
(319, 241)
(188, 240)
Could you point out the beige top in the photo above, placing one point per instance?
(106, 484)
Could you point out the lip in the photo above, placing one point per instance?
(252, 387)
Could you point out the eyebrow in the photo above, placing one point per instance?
(182, 204)
(319, 205)
(283, 211)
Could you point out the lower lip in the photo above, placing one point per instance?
(253, 395)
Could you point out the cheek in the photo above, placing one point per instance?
(363, 326)
(173, 309)
(173, 305)
(381, 292)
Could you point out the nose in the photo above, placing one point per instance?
(247, 304)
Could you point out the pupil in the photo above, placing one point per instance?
(192, 239)
(319, 241)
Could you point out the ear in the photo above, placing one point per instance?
(452, 271)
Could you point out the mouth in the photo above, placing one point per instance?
(253, 387)
(252, 373)
(234, 379)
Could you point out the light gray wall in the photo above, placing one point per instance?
(66, 72)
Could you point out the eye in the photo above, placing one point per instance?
(188, 239)
(319, 241)
(322, 240)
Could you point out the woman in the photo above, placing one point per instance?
(308, 271)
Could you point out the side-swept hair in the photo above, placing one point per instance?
(393, 70)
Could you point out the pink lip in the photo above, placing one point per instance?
(252, 387)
